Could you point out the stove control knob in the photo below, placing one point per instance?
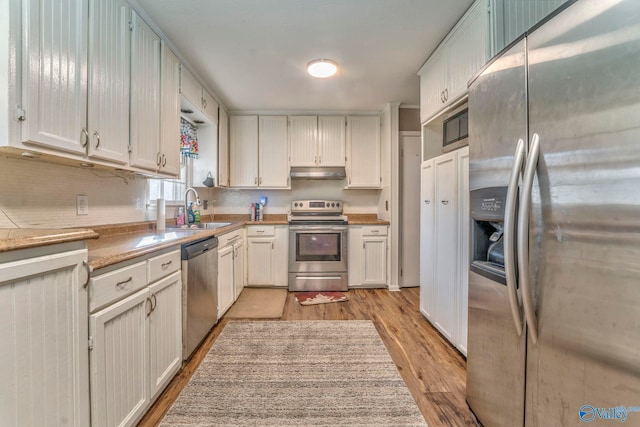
(295, 205)
(337, 205)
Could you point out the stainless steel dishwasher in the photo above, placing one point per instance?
(199, 292)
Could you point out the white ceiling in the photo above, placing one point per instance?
(253, 53)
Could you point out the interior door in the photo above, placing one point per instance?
(584, 248)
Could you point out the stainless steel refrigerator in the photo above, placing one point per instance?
(554, 300)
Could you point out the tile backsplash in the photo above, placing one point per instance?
(38, 194)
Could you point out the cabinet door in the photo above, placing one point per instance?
(165, 332)
(145, 95)
(119, 361)
(273, 152)
(467, 51)
(238, 268)
(433, 81)
(223, 149)
(363, 146)
(225, 280)
(463, 248)
(427, 239)
(190, 88)
(109, 79)
(303, 140)
(55, 79)
(260, 261)
(169, 113)
(446, 211)
(243, 157)
(375, 260)
(356, 254)
(44, 362)
(281, 256)
(331, 140)
(209, 106)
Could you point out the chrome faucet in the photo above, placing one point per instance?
(186, 202)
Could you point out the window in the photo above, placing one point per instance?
(172, 190)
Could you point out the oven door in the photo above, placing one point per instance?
(317, 248)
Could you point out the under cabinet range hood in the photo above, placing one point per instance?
(314, 172)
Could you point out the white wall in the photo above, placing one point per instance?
(238, 201)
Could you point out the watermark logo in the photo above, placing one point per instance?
(588, 413)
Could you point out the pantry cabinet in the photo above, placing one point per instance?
(258, 152)
(44, 359)
(444, 77)
(363, 152)
(317, 140)
(444, 244)
(135, 336)
(145, 96)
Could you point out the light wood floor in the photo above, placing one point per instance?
(433, 371)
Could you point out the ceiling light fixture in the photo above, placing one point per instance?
(322, 68)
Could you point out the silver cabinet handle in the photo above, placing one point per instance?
(523, 236)
(204, 103)
(445, 202)
(426, 202)
(124, 282)
(158, 159)
(319, 160)
(375, 231)
(97, 136)
(166, 265)
(148, 300)
(233, 238)
(89, 270)
(509, 237)
(255, 180)
(164, 160)
(154, 302)
(446, 94)
(260, 181)
(85, 138)
(259, 231)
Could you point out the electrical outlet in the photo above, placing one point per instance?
(82, 204)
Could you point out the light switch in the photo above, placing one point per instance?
(82, 204)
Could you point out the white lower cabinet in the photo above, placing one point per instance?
(238, 268)
(226, 292)
(44, 362)
(135, 341)
(267, 255)
(444, 244)
(368, 256)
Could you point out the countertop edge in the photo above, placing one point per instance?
(32, 238)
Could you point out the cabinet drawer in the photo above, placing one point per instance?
(110, 287)
(261, 230)
(163, 265)
(374, 230)
(230, 238)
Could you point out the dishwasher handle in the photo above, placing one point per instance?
(193, 249)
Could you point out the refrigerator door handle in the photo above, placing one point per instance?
(509, 237)
(523, 236)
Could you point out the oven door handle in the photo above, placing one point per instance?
(316, 228)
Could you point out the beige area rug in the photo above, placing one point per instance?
(258, 303)
(296, 373)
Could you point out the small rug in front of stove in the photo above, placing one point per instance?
(311, 298)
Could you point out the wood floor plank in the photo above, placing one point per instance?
(433, 370)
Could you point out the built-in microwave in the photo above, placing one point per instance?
(455, 129)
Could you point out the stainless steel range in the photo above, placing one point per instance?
(317, 246)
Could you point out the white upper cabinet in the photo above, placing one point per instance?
(273, 165)
(258, 152)
(223, 149)
(55, 81)
(145, 96)
(109, 79)
(444, 77)
(303, 140)
(243, 151)
(363, 152)
(331, 140)
(317, 140)
(196, 99)
(168, 153)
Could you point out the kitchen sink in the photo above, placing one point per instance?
(203, 225)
